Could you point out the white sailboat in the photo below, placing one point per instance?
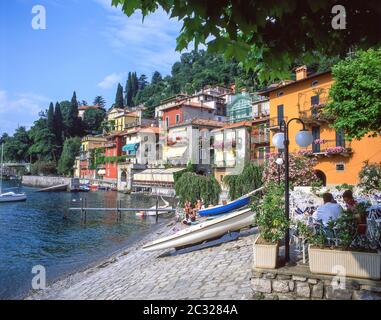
(204, 231)
(8, 196)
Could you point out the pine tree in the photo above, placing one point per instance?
(100, 101)
(58, 125)
(50, 118)
(142, 82)
(156, 77)
(119, 102)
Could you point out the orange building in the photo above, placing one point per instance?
(339, 160)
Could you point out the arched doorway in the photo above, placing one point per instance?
(123, 176)
(321, 176)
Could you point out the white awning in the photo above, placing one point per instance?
(101, 172)
(156, 175)
(176, 152)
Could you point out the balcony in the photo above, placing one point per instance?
(110, 145)
(131, 125)
(275, 123)
(315, 114)
(328, 148)
(262, 136)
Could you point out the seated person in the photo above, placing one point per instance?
(328, 211)
(348, 199)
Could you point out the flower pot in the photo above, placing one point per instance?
(355, 263)
(265, 255)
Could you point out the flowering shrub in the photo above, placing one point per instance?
(370, 176)
(301, 170)
(335, 150)
(320, 141)
(305, 152)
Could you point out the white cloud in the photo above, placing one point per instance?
(111, 80)
(149, 44)
(20, 110)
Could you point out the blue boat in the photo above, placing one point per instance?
(230, 206)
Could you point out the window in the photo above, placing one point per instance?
(280, 113)
(314, 83)
(340, 167)
(314, 100)
(177, 118)
(315, 136)
(340, 139)
(167, 121)
(280, 93)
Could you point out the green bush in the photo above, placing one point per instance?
(45, 168)
(270, 217)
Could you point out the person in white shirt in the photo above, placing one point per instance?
(330, 210)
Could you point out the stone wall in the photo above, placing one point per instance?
(44, 182)
(297, 282)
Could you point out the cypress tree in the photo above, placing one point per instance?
(58, 124)
(119, 102)
(129, 90)
(50, 119)
(72, 118)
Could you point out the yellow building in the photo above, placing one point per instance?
(121, 119)
(339, 160)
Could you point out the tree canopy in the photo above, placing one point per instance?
(268, 36)
(356, 94)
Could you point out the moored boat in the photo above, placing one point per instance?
(12, 197)
(204, 231)
(230, 206)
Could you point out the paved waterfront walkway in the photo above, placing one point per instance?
(221, 272)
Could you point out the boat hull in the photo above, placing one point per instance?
(221, 209)
(12, 198)
(204, 231)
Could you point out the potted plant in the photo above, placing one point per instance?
(272, 224)
(355, 259)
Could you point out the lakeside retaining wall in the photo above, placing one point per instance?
(296, 282)
(45, 182)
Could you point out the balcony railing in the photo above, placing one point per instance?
(328, 148)
(263, 136)
(315, 113)
(275, 123)
(110, 145)
(131, 125)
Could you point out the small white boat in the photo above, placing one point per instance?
(12, 197)
(204, 231)
(8, 196)
(153, 212)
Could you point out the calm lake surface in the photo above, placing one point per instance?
(42, 231)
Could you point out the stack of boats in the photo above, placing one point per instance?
(217, 221)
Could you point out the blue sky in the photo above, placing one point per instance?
(88, 46)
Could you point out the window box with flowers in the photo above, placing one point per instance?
(337, 150)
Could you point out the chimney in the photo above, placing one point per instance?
(301, 73)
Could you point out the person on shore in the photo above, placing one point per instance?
(328, 211)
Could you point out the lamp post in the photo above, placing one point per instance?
(281, 141)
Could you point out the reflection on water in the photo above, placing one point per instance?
(43, 231)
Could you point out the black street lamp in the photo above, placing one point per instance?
(281, 141)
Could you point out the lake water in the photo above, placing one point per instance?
(42, 231)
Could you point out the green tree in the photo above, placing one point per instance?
(58, 125)
(16, 147)
(72, 122)
(93, 119)
(156, 77)
(70, 151)
(100, 101)
(265, 35)
(142, 82)
(50, 120)
(119, 102)
(356, 94)
(43, 141)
